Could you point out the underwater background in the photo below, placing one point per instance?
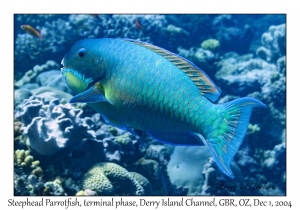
(245, 55)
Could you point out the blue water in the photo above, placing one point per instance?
(245, 55)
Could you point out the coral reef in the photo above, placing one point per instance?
(111, 179)
(229, 30)
(53, 78)
(274, 43)
(31, 74)
(242, 75)
(51, 127)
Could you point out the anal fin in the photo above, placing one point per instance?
(118, 124)
(182, 138)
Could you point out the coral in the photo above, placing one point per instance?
(241, 75)
(89, 152)
(158, 153)
(71, 186)
(31, 75)
(157, 176)
(191, 159)
(281, 65)
(36, 19)
(80, 193)
(51, 127)
(275, 90)
(143, 181)
(274, 42)
(229, 30)
(190, 23)
(54, 188)
(24, 159)
(111, 179)
(27, 185)
(216, 183)
(37, 171)
(53, 78)
(253, 128)
(248, 165)
(17, 128)
(20, 96)
(102, 148)
(261, 24)
(112, 150)
(30, 86)
(50, 93)
(173, 36)
(89, 192)
(211, 45)
(86, 192)
(84, 155)
(20, 156)
(264, 53)
(130, 147)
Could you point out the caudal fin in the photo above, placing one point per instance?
(229, 130)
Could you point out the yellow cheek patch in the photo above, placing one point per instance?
(75, 81)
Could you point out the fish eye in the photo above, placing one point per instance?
(81, 53)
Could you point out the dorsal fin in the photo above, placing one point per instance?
(198, 76)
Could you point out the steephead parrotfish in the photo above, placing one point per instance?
(134, 84)
(32, 31)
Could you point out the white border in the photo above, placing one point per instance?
(8, 8)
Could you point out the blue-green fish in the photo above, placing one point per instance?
(136, 85)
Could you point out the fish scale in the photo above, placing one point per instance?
(137, 85)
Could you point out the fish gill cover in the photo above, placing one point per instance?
(59, 146)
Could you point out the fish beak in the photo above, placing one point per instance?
(63, 64)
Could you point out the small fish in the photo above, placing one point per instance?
(97, 15)
(136, 85)
(137, 24)
(32, 31)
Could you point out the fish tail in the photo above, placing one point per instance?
(227, 132)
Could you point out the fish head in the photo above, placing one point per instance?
(83, 65)
(24, 27)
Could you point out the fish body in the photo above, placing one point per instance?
(136, 85)
(32, 31)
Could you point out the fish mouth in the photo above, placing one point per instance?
(63, 64)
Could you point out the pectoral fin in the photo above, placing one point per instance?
(92, 95)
